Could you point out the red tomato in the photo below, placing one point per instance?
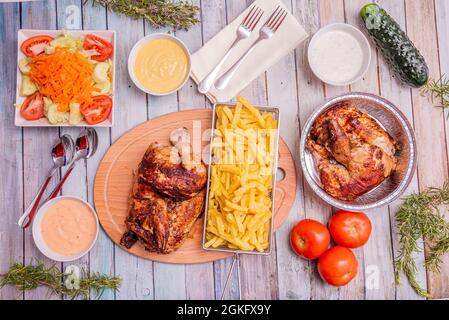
(338, 266)
(309, 239)
(350, 229)
(103, 47)
(98, 110)
(35, 45)
(33, 107)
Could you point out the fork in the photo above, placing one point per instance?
(266, 32)
(243, 31)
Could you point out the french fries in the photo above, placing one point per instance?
(240, 204)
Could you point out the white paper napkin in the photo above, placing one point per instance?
(289, 35)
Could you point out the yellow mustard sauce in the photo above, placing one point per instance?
(161, 65)
(68, 227)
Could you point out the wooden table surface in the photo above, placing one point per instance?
(289, 84)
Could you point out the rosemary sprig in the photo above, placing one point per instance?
(438, 89)
(419, 218)
(159, 13)
(433, 262)
(29, 277)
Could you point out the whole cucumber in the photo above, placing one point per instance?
(401, 54)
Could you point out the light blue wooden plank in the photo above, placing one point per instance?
(188, 96)
(11, 165)
(169, 279)
(137, 275)
(213, 17)
(331, 12)
(258, 274)
(102, 255)
(37, 142)
(442, 24)
(310, 95)
(199, 277)
(400, 96)
(221, 271)
(76, 184)
(377, 253)
(130, 111)
(293, 272)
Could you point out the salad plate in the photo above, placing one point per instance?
(22, 36)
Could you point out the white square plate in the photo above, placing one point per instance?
(24, 34)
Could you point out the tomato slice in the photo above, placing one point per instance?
(98, 110)
(35, 45)
(33, 107)
(103, 47)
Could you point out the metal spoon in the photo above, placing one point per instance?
(86, 146)
(62, 154)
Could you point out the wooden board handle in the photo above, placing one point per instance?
(286, 188)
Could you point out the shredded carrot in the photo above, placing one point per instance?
(63, 77)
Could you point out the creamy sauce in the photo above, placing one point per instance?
(68, 227)
(161, 65)
(336, 57)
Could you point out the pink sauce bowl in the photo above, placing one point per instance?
(38, 234)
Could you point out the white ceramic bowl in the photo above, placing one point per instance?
(37, 234)
(361, 39)
(132, 58)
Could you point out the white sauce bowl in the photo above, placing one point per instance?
(135, 50)
(355, 34)
(37, 231)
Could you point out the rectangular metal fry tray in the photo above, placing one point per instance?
(275, 111)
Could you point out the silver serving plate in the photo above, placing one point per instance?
(275, 112)
(396, 124)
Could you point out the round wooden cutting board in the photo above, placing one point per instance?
(114, 180)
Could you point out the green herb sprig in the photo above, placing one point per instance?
(419, 218)
(439, 90)
(29, 277)
(159, 13)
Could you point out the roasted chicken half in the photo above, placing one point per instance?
(162, 170)
(166, 199)
(352, 152)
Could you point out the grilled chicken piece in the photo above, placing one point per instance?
(359, 126)
(161, 169)
(161, 223)
(352, 152)
(166, 200)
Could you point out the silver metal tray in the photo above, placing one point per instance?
(275, 111)
(396, 124)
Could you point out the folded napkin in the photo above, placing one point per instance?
(289, 35)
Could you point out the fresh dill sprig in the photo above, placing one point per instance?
(419, 218)
(438, 89)
(29, 277)
(159, 13)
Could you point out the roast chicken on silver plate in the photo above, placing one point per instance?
(352, 152)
